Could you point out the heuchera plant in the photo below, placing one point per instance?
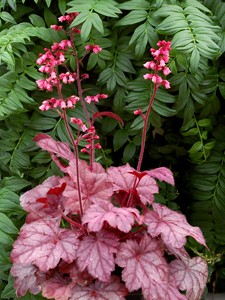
(96, 233)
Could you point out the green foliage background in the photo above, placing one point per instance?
(186, 129)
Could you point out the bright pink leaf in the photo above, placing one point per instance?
(47, 143)
(162, 174)
(172, 226)
(29, 199)
(118, 217)
(108, 114)
(42, 202)
(25, 279)
(94, 185)
(57, 287)
(123, 178)
(143, 263)
(55, 148)
(113, 290)
(190, 275)
(44, 244)
(162, 291)
(96, 253)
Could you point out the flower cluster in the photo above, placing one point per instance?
(161, 58)
(90, 138)
(79, 123)
(68, 17)
(49, 61)
(96, 98)
(69, 102)
(95, 48)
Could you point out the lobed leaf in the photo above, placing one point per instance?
(98, 290)
(43, 244)
(118, 217)
(190, 275)
(171, 226)
(25, 279)
(143, 263)
(96, 253)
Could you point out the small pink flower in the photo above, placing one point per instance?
(166, 84)
(56, 27)
(148, 76)
(80, 123)
(85, 76)
(95, 48)
(138, 112)
(98, 146)
(166, 71)
(150, 65)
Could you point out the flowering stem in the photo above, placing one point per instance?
(76, 158)
(144, 132)
(79, 89)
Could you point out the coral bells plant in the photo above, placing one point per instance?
(97, 233)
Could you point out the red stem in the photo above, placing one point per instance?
(144, 132)
(64, 116)
(77, 161)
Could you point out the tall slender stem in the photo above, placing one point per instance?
(144, 132)
(77, 161)
(64, 116)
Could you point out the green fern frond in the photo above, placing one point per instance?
(194, 32)
(207, 185)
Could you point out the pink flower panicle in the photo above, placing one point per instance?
(96, 98)
(161, 58)
(90, 137)
(95, 48)
(69, 102)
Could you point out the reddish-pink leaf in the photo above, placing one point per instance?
(94, 185)
(121, 217)
(57, 287)
(162, 174)
(108, 114)
(47, 143)
(162, 291)
(143, 263)
(25, 279)
(44, 244)
(41, 203)
(190, 275)
(123, 178)
(113, 290)
(172, 226)
(96, 253)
